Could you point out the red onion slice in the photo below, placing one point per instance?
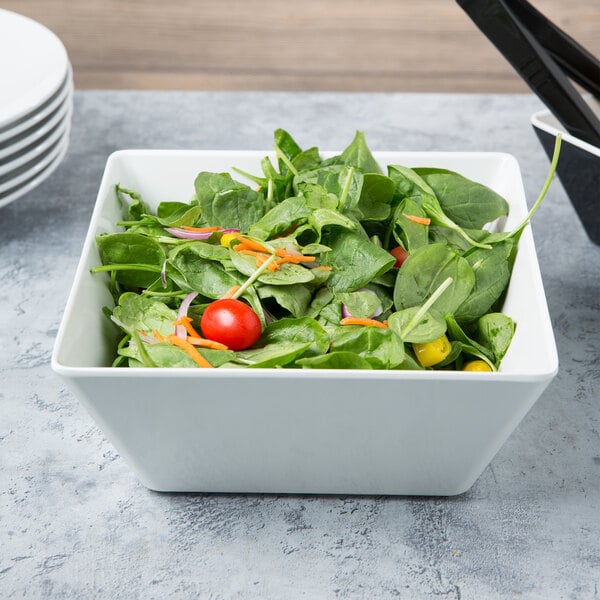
(163, 274)
(184, 234)
(182, 312)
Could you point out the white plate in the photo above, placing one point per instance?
(28, 124)
(33, 65)
(28, 171)
(25, 187)
(37, 149)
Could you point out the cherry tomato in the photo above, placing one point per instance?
(400, 254)
(231, 322)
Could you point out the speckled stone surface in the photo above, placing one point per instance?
(75, 523)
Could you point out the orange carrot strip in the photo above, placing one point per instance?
(187, 323)
(292, 258)
(198, 341)
(190, 350)
(200, 229)
(419, 220)
(248, 244)
(324, 267)
(230, 292)
(157, 336)
(273, 267)
(252, 252)
(366, 322)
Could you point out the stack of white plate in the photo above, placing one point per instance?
(36, 103)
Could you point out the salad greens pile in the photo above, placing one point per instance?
(345, 267)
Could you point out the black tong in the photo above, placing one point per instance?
(545, 57)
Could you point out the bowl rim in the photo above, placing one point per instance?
(539, 121)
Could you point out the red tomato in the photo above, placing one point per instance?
(231, 322)
(400, 254)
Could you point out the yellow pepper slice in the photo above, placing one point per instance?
(432, 353)
(477, 365)
(226, 239)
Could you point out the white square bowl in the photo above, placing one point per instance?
(301, 431)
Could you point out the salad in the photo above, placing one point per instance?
(318, 264)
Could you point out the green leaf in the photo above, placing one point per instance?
(496, 331)
(425, 270)
(133, 249)
(272, 355)
(134, 208)
(145, 314)
(492, 274)
(429, 328)
(281, 218)
(335, 360)
(354, 260)
(228, 203)
(468, 203)
(357, 155)
(302, 330)
(382, 348)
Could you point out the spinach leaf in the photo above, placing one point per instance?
(381, 348)
(425, 270)
(228, 203)
(134, 208)
(375, 199)
(492, 274)
(136, 259)
(281, 218)
(357, 155)
(141, 313)
(294, 299)
(429, 328)
(468, 203)
(409, 234)
(303, 330)
(193, 272)
(409, 184)
(335, 360)
(177, 214)
(496, 331)
(354, 260)
(468, 345)
(272, 355)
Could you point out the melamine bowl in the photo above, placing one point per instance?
(578, 167)
(301, 431)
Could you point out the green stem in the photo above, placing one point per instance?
(131, 267)
(254, 277)
(346, 189)
(286, 160)
(549, 178)
(425, 307)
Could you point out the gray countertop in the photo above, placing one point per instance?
(75, 523)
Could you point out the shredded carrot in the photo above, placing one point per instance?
(199, 341)
(253, 253)
(200, 229)
(157, 336)
(190, 350)
(247, 244)
(230, 292)
(187, 323)
(419, 220)
(296, 259)
(323, 267)
(366, 322)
